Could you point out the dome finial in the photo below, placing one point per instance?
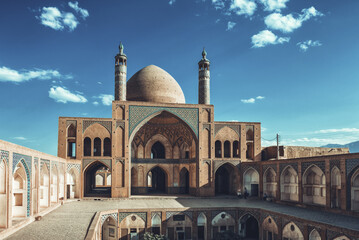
(121, 48)
(204, 53)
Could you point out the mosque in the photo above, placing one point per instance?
(156, 144)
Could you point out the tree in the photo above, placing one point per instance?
(151, 236)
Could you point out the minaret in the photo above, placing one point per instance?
(203, 79)
(120, 75)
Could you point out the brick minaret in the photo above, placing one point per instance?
(120, 75)
(203, 79)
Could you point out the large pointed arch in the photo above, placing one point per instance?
(289, 184)
(89, 180)
(314, 186)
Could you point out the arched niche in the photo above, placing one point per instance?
(335, 187)
(355, 191)
(222, 222)
(157, 180)
(109, 229)
(270, 183)
(173, 232)
(314, 235)
(184, 181)
(156, 223)
(132, 227)
(289, 184)
(248, 227)
(54, 182)
(292, 232)
(44, 186)
(3, 194)
(314, 186)
(269, 228)
(72, 184)
(19, 189)
(218, 149)
(201, 226)
(251, 182)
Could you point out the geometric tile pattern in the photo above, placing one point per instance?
(105, 216)
(247, 166)
(105, 124)
(236, 128)
(187, 213)
(320, 164)
(123, 215)
(139, 113)
(335, 163)
(293, 165)
(53, 163)
(350, 164)
(273, 166)
(73, 165)
(156, 213)
(16, 159)
(46, 162)
(4, 155)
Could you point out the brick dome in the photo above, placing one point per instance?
(153, 84)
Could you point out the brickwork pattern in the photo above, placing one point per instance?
(123, 215)
(4, 155)
(88, 123)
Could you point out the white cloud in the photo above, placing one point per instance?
(340, 130)
(250, 100)
(309, 43)
(20, 138)
(99, 83)
(266, 37)
(218, 4)
(11, 75)
(243, 7)
(274, 5)
(171, 2)
(95, 103)
(289, 23)
(52, 17)
(106, 99)
(83, 12)
(60, 94)
(230, 25)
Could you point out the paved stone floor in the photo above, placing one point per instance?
(71, 220)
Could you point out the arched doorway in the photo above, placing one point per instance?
(251, 182)
(109, 229)
(184, 181)
(248, 227)
(226, 180)
(156, 180)
(355, 191)
(314, 235)
(222, 181)
(201, 227)
(91, 188)
(158, 151)
(19, 189)
(270, 183)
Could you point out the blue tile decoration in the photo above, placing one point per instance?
(123, 215)
(105, 124)
(46, 162)
(320, 164)
(73, 165)
(284, 165)
(4, 155)
(16, 159)
(105, 216)
(139, 113)
(229, 212)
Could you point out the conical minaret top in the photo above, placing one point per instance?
(203, 79)
(120, 74)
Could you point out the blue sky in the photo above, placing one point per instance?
(291, 65)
